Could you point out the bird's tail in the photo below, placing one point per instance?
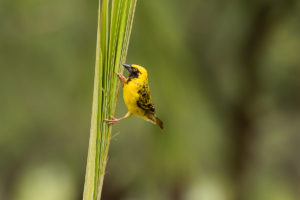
(159, 123)
(155, 120)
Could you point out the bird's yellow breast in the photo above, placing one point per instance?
(131, 96)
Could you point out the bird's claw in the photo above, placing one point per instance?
(121, 77)
(112, 120)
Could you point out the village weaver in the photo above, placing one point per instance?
(136, 95)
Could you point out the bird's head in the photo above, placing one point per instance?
(136, 71)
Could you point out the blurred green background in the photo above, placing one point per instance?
(224, 76)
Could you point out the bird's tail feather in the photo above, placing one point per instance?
(159, 123)
(155, 120)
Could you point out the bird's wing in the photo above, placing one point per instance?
(144, 101)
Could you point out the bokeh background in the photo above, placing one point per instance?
(224, 77)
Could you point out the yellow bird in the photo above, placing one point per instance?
(136, 95)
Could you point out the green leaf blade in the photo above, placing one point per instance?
(114, 25)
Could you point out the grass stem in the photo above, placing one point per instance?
(115, 18)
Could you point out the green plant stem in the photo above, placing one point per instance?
(115, 19)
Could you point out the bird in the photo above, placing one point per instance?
(136, 95)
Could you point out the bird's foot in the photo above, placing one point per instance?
(121, 77)
(112, 120)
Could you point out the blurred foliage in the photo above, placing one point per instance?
(223, 77)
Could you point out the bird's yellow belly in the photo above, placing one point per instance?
(130, 96)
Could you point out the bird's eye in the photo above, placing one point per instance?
(135, 69)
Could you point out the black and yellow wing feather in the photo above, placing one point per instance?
(144, 101)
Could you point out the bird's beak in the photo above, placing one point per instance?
(128, 67)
